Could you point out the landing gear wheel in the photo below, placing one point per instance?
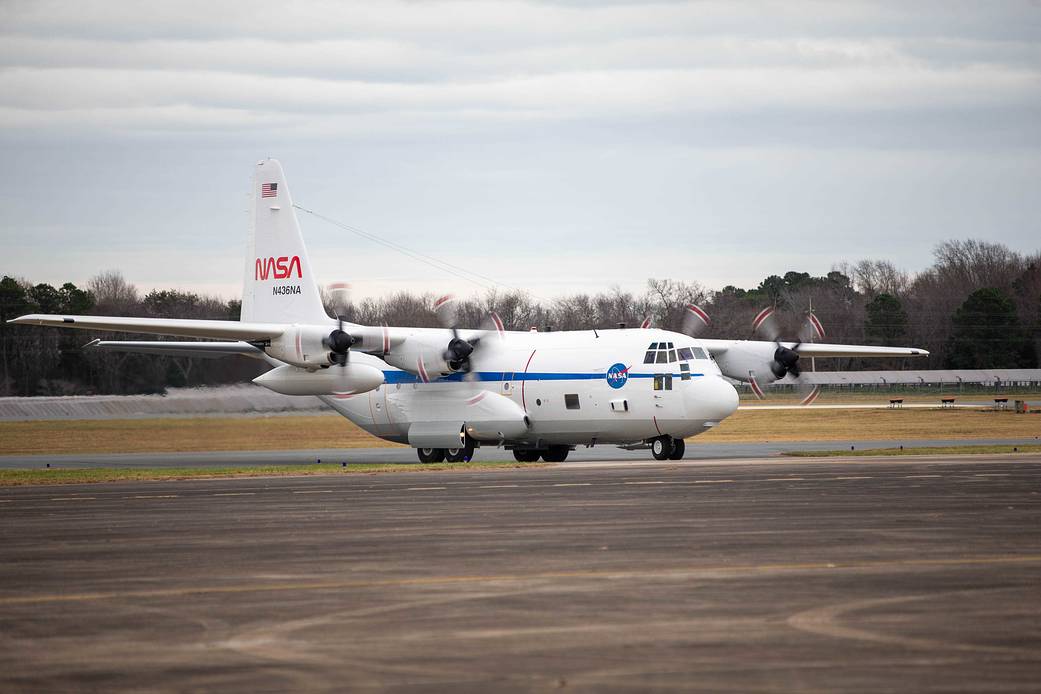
(525, 455)
(662, 447)
(678, 449)
(431, 455)
(461, 455)
(556, 454)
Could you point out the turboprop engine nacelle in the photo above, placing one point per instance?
(745, 360)
(303, 345)
(423, 356)
(335, 380)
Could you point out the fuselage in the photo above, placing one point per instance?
(573, 388)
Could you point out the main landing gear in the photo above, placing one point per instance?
(667, 448)
(553, 454)
(451, 455)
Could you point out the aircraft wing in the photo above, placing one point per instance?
(201, 350)
(219, 329)
(812, 349)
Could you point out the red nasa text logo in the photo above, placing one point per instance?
(277, 268)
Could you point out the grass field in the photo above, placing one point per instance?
(333, 431)
(16, 478)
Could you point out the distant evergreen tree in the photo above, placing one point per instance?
(886, 321)
(13, 303)
(987, 335)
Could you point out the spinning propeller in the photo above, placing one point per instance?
(459, 351)
(786, 359)
(339, 342)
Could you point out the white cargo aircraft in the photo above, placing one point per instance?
(449, 391)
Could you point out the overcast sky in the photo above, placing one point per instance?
(553, 146)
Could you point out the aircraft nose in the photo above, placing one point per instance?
(711, 399)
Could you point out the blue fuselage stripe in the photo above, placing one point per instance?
(493, 376)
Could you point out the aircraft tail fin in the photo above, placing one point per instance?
(279, 285)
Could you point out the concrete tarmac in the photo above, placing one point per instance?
(756, 576)
(695, 451)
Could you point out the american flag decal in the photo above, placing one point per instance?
(268, 190)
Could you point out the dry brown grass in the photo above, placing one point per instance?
(884, 424)
(183, 435)
(333, 431)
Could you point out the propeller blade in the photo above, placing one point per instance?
(812, 329)
(492, 324)
(447, 309)
(765, 325)
(421, 370)
(340, 295)
(812, 396)
(695, 320)
(756, 390)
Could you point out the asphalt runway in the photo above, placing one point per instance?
(754, 576)
(695, 451)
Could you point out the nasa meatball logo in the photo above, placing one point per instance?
(617, 375)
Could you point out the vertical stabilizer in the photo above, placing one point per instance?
(279, 285)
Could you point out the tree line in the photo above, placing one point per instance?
(977, 306)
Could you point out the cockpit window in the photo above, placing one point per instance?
(672, 355)
(649, 357)
(699, 353)
(663, 357)
(684, 353)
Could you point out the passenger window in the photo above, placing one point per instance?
(571, 401)
(648, 358)
(684, 353)
(663, 357)
(672, 356)
(659, 381)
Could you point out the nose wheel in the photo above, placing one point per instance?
(668, 448)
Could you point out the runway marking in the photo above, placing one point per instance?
(919, 477)
(711, 481)
(236, 494)
(992, 474)
(573, 484)
(852, 478)
(424, 489)
(785, 479)
(153, 496)
(499, 486)
(669, 572)
(313, 491)
(73, 498)
(6, 501)
(648, 482)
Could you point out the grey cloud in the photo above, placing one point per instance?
(566, 130)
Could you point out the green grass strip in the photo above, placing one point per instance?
(55, 475)
(979, 449)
